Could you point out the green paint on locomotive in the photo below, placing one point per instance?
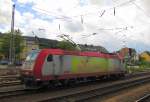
(114, 65)
(82, 64)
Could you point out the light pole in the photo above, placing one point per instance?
(11, 48)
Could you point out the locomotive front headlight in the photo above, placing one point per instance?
(32, 65)
(27, 73)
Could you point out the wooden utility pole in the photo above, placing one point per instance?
(12, 48)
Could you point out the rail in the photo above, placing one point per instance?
(145, 98)
(79, 94)
(84, 95)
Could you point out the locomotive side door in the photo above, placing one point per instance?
(48, 66)
(58, 65)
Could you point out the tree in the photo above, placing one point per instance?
(67, 45)
(18, 43)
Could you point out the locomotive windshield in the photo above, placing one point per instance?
(32, 55)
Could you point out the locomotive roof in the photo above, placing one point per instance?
(81, 53)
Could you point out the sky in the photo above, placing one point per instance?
(112, 24)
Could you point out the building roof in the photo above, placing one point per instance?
(93, 48)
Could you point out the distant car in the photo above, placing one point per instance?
(18, 63)
(4, 62)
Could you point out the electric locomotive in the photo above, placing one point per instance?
(46, 66)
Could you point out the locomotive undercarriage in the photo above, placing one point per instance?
(32, 83)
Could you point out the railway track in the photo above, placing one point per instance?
(145, 98)
(6, 94)
(86, 95)
(137, 74)
(76, 94)
(9, 80)
(9, 76)
(9, 83)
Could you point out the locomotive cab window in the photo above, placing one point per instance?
(49, 58)
(32, 55)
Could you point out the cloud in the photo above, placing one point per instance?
(146, 3)
(74, 26)
(49, 14)
(102, 2)
(25, 1)
(5, 14)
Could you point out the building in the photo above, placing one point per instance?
(93, 48)
(127, 52)
(29, 45)
(129, 55)
(32, 43)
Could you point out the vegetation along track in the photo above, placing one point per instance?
(85, 95)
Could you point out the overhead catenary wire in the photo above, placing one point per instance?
(121, 29)
(141, 9)
(45, 12)
(86, 36)
(82, 23)
(114, 11)
(70, 19)
(101, 14)
(81, 19)
(67, 18)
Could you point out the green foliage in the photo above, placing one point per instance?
(133, 69)
(66, 45)
(141, 59)
(5, 43)
(143, 62)
(4, 46)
